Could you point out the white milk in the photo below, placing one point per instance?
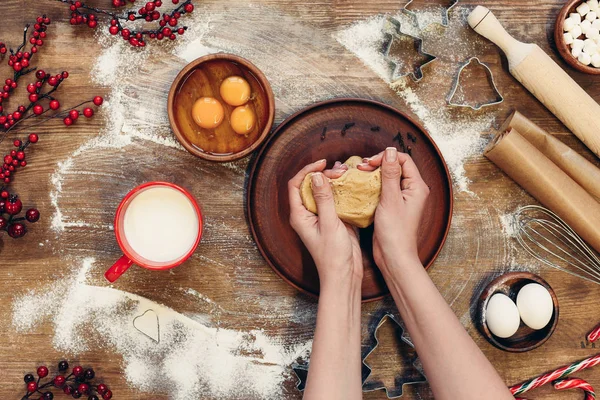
(161, 224)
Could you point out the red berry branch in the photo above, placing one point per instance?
(78, 383)
(168, 22)
(10, 205)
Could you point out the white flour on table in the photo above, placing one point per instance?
(191, 361)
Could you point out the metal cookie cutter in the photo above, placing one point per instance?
(445, 14)
(397, 73)
(397, 391)
(450, 99)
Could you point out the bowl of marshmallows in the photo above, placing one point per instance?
(577, 35)
(518, 312)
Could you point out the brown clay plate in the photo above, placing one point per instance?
(298, 142)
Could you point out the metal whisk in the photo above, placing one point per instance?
(550, 240)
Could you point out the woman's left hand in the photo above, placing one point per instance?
(333, 245)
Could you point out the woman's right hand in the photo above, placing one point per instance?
(398, 216)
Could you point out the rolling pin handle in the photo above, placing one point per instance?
(484, 22)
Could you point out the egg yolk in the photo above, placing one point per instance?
(208, 113)
(235, 91)
(243, 120)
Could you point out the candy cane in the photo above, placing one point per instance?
(558, 374)
(574, 383)
(594, 335)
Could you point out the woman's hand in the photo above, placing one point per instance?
(333, 245)
(398, 216)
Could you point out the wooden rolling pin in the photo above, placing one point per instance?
(545, 79)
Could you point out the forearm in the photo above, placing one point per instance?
(335, 361)
(454, 365)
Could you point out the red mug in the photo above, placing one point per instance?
(130, 256)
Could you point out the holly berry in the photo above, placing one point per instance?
(68, 389)
(59, 380)
(107, 395)
(77, 370)
(68, 121)
(43, 370)
(37, 109)
(54, 105)
(83, 388)
(28, 378)
(101, 388)
(33, 215)
(89, 374)
(93, 397)
(63, 366)
(98, 100)
(74, 114)
(13, 206)
(16, 231)
(3, 222)
(48, 396)
(88, 112)
(31, 386)
(33, 138)
(76, 394)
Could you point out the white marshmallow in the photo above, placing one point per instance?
(585, 26)
(591, 16)
(569, 24)
(596, 24)
(590, 47)
(583, 9)
(576, 32)
(592, 33)
(593, 4)
(576, 52)
(575, 17)
(578, 44)
(585, 59)
(568, 38)
(596, 60)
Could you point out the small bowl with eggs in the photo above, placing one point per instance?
(577, 35)
(221, 107)
(517, 312)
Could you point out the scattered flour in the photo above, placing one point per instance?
(509, 225)
(191, 361)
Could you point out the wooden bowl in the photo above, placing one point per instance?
(337, 129)
(563, 48)
(525, 339)
(203, 78)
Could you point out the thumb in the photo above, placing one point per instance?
(391, 172)
(324, 198)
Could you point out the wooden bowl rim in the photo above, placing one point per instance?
(181, 78)
(489, 291)
(563, 48)
(287, 121)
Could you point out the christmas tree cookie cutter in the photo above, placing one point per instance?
(398, 390)
(397, 68)
(445, 13)
(451, 96)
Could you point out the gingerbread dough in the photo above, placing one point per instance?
(356, 194)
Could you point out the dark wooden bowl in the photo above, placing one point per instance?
(525, 339)
(203, 78)
(563, 48)
(302, 139)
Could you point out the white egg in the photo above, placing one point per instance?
(535, 306)
(502, 316)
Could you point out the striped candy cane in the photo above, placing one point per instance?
(574, 383)
(594, 335)
(555, 375)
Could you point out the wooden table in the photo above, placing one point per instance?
(227, 267)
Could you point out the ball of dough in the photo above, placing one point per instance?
(356, 194)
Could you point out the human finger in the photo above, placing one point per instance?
(323, 195)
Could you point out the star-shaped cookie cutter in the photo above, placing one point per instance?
(416, 74)
(445, 14)
(450, 99)
(398, 390)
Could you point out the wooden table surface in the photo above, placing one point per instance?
(227, 267)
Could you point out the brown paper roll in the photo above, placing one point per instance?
(545, 181)
(576, 166)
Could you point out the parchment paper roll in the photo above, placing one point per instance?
(545, 181)
(575, 165)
